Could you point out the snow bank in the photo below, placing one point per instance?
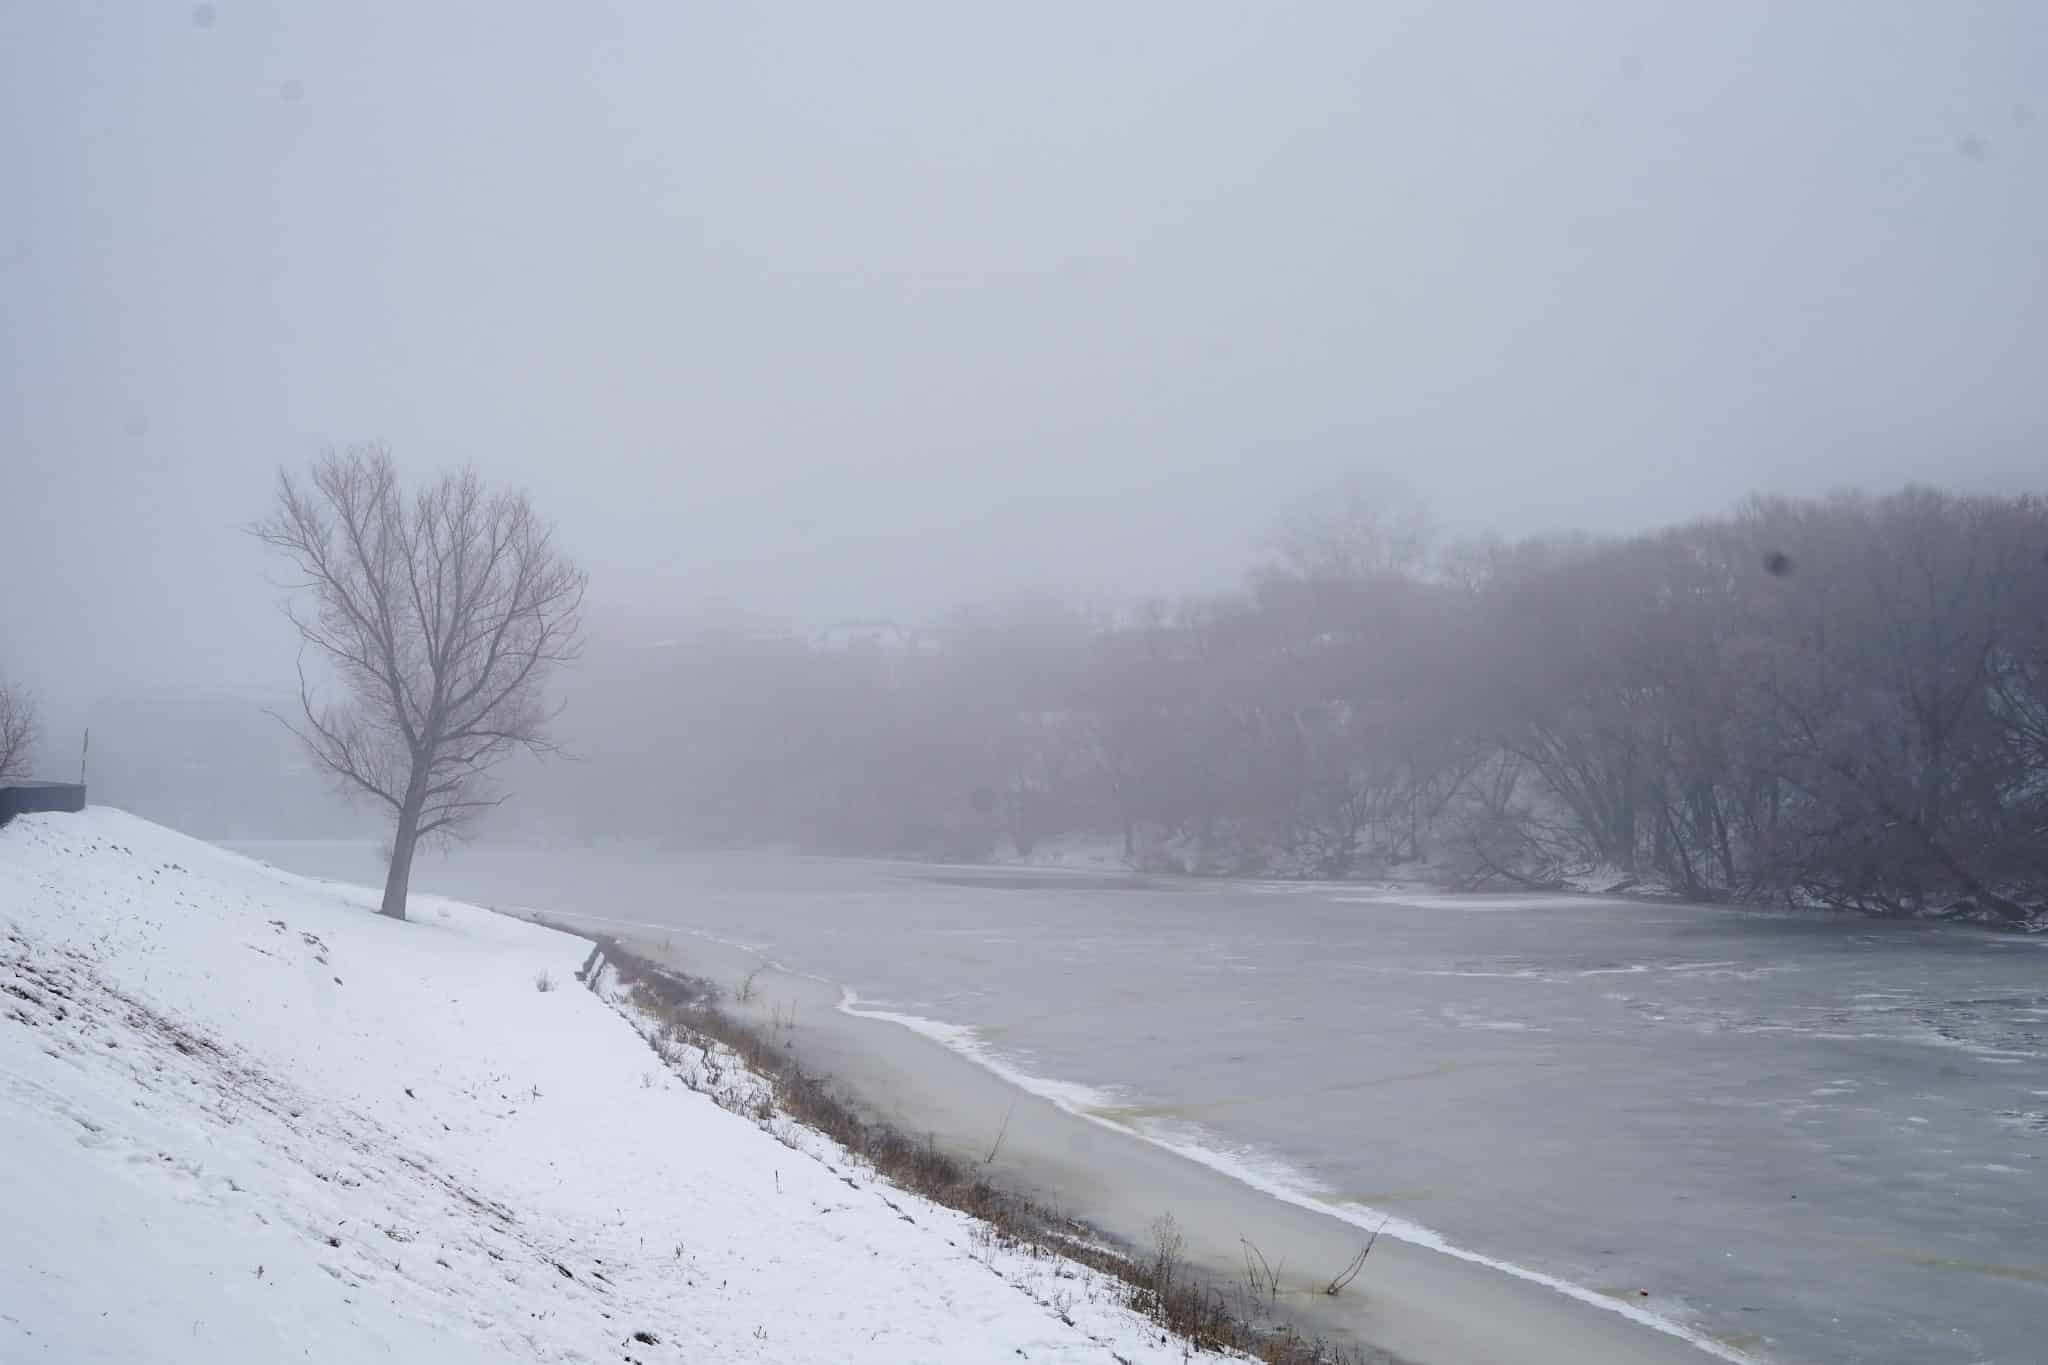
(242, 1118)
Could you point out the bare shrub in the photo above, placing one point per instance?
(1169, 1248)
(18, 731)
(745, 994)
(543, 981)
(1261, 1280)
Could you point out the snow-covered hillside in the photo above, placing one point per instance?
(243, 1118)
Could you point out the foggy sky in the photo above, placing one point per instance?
(837, 310)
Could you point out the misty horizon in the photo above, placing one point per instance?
(802, 320)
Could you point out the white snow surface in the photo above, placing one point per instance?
(243, 1118)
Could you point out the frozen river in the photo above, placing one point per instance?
(1818, 1141)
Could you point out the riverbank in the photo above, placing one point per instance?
(1820, 1141)
(1416, 1296)
(244, 1118)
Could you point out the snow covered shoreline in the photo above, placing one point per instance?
(1419, 1302)
(247, 1119)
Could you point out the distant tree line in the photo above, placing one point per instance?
(1839, 702)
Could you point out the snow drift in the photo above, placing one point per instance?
(246, 1119)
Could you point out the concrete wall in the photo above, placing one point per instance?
(20, 798)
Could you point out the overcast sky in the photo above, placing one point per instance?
(838, 309)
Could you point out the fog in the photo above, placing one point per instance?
(813, 313)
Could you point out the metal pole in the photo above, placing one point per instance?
(83, 750)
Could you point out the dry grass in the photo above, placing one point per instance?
(747, 1072)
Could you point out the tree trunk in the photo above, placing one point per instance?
(399, 877)
(403, 841)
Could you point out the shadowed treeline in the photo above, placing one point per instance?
(1841, 702)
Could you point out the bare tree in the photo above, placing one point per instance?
(1362, 529)
(18, 730)
(442, 613)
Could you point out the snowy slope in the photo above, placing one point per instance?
(242, 1118)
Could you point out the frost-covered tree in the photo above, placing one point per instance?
(441, 613)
